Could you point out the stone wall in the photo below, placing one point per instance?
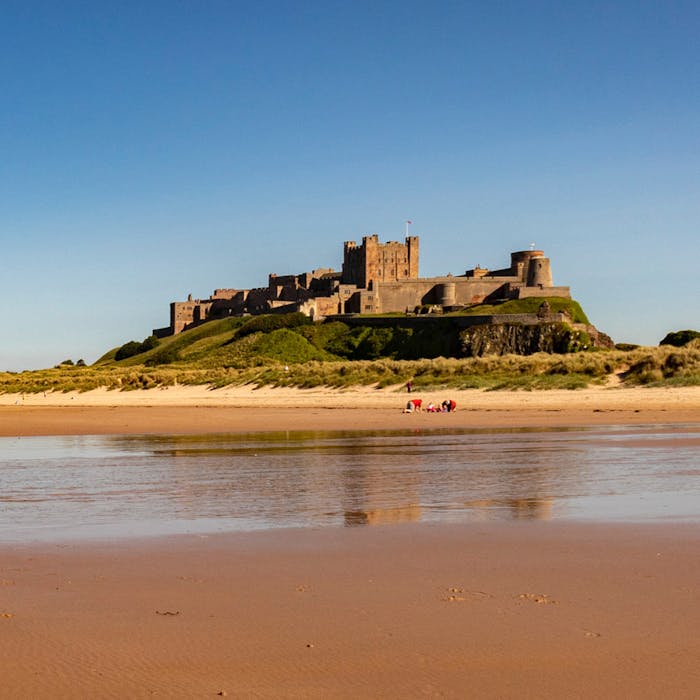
(460, 291)
(184, 314)
(376, 278)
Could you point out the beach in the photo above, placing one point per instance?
(198, 409)
(525, 609)
(487, 611)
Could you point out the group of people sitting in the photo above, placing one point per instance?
(447, 406)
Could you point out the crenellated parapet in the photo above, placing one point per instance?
(375, 278)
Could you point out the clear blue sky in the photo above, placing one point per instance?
(153, 149)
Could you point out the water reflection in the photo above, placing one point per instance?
(382, 516)
(142, 485)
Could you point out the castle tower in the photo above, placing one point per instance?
(412, 246)
(531, 268)
(381, 262)
(539, 272)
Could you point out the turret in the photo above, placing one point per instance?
(539, 272)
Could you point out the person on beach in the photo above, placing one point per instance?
(409, 386)
(414, 405)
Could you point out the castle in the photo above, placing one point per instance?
(375, 278)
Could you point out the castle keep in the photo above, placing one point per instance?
(375, 278)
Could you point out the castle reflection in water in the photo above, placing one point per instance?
(164, 484)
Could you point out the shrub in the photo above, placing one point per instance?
(149, 343)
(373, 343)
(679, 338)
(285, 345)
(334, 337)
(135, 348)
(272, 322)
(165, 356)
(128, 350)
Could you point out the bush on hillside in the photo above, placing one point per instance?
(332, 337)
(164, 356)
(286, 346)
(371, 342)
(272, 322)
(679, 338)
(135, 348)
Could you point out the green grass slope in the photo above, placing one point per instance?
(289, 350)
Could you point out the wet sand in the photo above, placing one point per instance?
(499, 610)
(531, 610)
(177, 410)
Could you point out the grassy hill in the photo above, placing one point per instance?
(293, 338)
(290, 350)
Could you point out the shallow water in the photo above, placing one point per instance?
(54, 488)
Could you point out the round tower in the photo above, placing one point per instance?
(519, 262)
(539, 272)
(448, 294)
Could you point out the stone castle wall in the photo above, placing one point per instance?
(375, 278)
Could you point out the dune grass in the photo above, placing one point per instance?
(289, 350)
(660, 366)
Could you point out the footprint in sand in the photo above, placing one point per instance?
(590, 634)
(539, 598)
(459, 595)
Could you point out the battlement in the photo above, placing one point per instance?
(375, 278)
(379, 262)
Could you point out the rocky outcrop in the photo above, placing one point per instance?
(527, 339)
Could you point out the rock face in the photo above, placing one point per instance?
(527, 339)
